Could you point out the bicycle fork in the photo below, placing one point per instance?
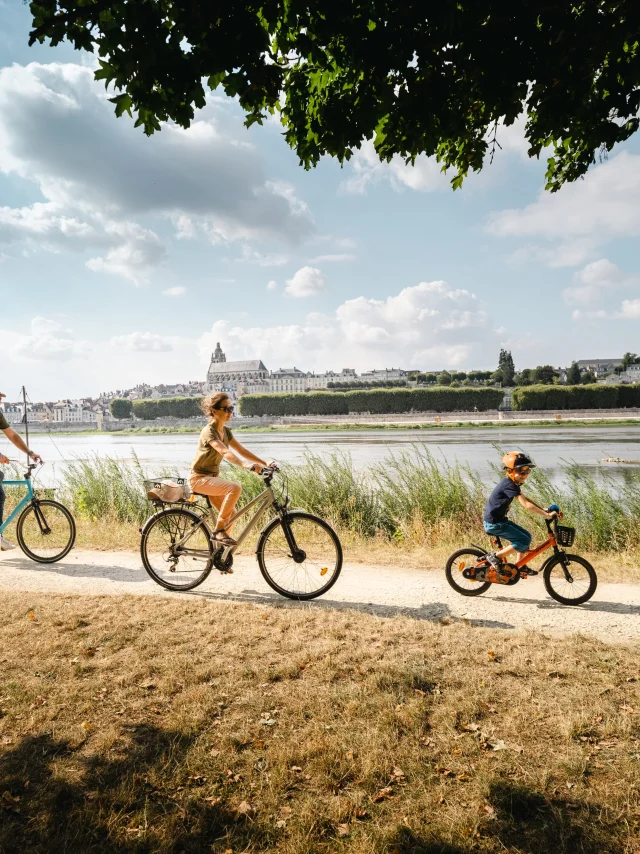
(42, 522)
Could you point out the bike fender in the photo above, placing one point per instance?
(158, 513)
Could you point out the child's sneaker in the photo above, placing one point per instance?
(495, 561)
(5, 545)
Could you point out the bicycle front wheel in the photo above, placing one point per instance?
(570, 579)
(309, 569)
(46, 531)
(176, 549)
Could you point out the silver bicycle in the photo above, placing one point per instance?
(299, 554)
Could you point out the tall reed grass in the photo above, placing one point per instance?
(412, 498)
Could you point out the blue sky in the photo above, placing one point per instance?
(124, 259)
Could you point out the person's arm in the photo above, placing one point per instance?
(530, 505)
(245, 452)
(228, 455)
(17, 440)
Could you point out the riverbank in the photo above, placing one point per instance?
(531, 423)
(412, 510)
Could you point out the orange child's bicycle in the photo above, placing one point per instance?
(568, 578)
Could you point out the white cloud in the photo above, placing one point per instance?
(143, 342)
(584, 215)
(333, 258)
(305, 282)
(47, 340)
(272, 285)
(594, 282)
(175, 292)
(98, 175)
(428, 325)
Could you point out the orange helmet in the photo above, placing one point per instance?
(515, 460)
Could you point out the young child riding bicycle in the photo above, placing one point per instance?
(517, 467)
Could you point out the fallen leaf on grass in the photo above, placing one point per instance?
(383, 795)
(31, 615)
(398, 775)
(463, 778)
(269, 722)
(213, 800)
(245, 809)
(86, 726)
(343, 830)
(629, 710)
(296, 769)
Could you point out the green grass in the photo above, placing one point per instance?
(412, 498)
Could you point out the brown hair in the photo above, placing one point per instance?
(212, 401)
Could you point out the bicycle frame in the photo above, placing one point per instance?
(265, 500)
(27, 499)
(549, 543)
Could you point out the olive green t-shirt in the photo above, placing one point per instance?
(207, 460)
(4, 424)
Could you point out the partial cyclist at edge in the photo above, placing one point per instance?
(517, 468)
(16, 440)
(218, 443)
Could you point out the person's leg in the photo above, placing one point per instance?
(5, 545)
(223, 494)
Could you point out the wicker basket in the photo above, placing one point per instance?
(167, 490)
(565, 536)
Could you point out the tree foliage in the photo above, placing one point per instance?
(168, 407)
(576, 397)
(437, 78)
(506, 367)
(375, 401)
(121, 408)
(573, 374)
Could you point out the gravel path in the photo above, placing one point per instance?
(612, 615)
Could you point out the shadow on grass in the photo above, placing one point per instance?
(432, 612)
(530, 823)
(110, 804)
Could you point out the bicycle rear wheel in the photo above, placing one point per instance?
(459, 561)
(570, 579)
(173, 566)
(312, 569)
(46, 531)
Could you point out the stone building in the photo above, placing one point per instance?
(226, 376)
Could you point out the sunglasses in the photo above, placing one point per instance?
(224, 408)
(523, 471)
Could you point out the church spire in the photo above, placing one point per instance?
(218, 355)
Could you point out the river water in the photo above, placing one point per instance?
(475, 447)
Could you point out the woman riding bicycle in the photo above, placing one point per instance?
(215, 444)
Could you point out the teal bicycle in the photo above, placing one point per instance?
(46, 530)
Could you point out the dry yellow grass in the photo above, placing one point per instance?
(150, 725)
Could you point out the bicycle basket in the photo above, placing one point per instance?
(167, 491)
(565, 536)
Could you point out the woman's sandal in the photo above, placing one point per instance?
(224, 540)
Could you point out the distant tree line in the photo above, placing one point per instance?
(374, 401)
(576, 397)
(164, 407)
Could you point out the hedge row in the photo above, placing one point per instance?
(375, 401)
(576, 396)
(174, 407)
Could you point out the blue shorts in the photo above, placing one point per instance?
(520, 538)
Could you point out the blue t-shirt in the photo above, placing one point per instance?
(500, 500)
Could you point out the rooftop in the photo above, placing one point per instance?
(250, 365)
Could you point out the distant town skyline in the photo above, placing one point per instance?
(125, 258)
